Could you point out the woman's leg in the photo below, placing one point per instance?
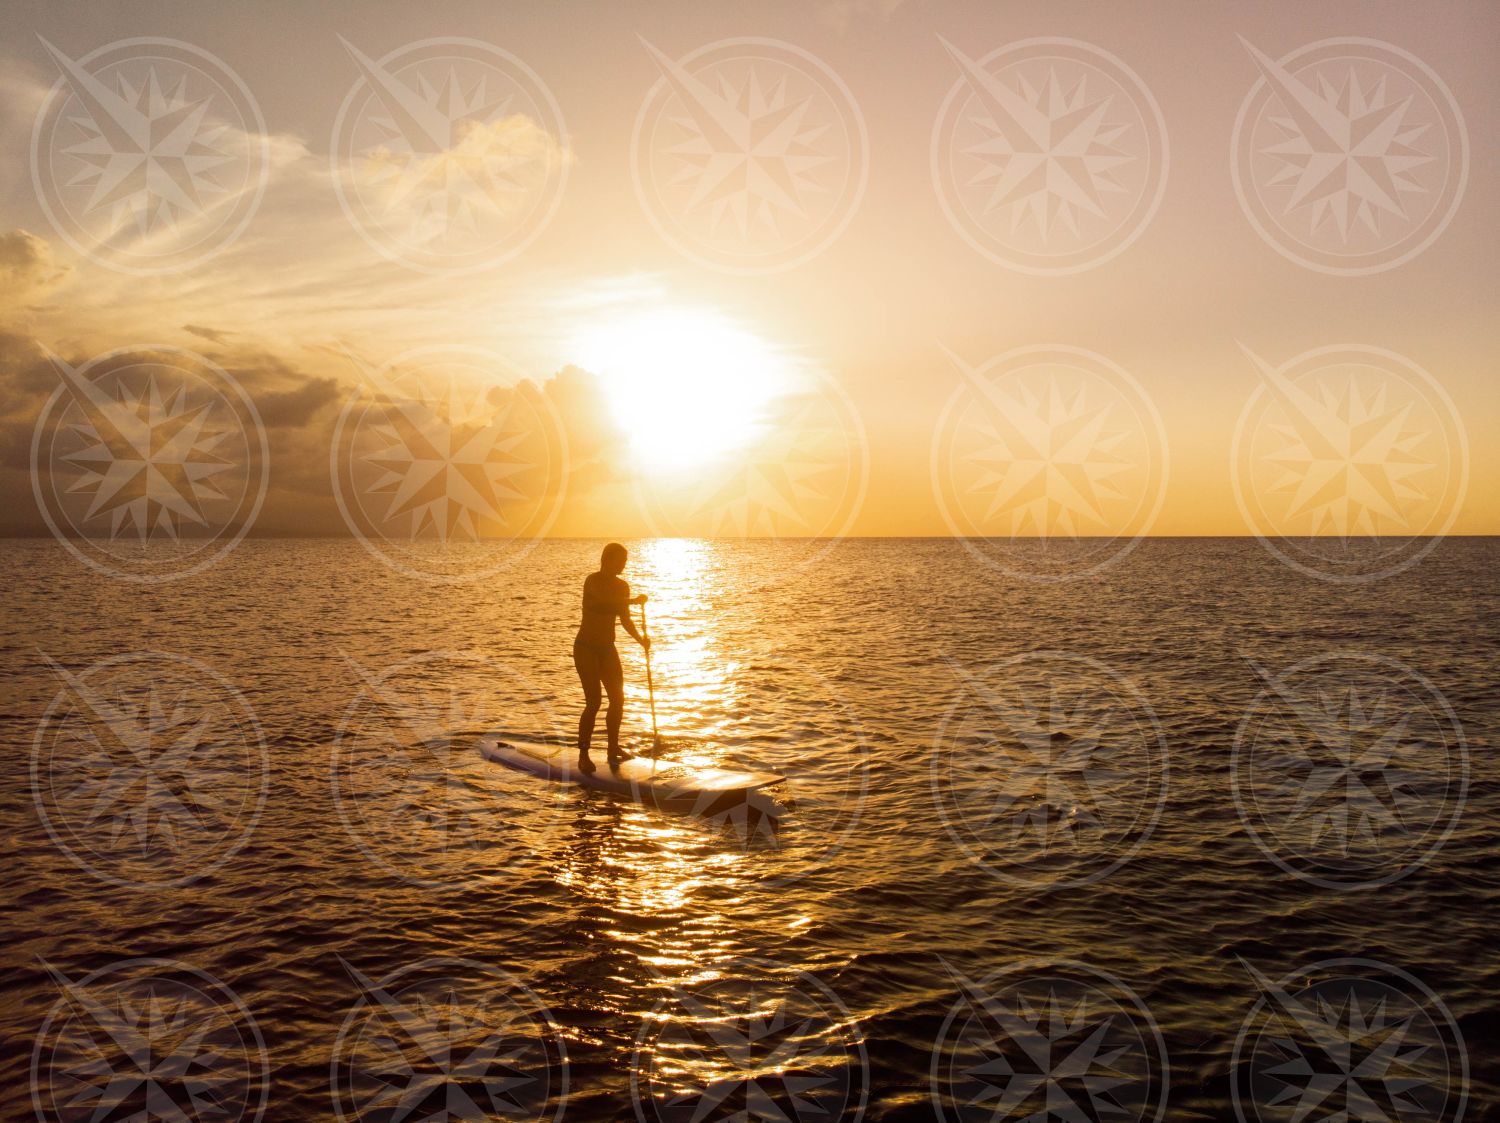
(586, 663)
(614, 682)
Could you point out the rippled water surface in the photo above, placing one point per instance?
(266, 773)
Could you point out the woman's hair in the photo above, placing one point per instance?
(614, 552)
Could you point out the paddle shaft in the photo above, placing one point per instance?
(650, 689)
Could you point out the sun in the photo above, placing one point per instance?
(687, 385)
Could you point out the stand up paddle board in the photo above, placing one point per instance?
(713, 792)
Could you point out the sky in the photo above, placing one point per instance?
(864, 267)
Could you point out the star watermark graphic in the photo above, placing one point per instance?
(802, 479)
(449, 155)
(1049, 768)
(406, 779)
(762, 497)
(1065, 762)
(1349, 462)
(1349, 770)
(447, 464)
(1348, 1039)
(148, 1039)
(1349, 155)
(749, 155)
(448, 1040)
(828, 797)
(1048, 155)
(148, 155)
(752, 1042)
(1041, 1041)
(1049, 462)
(148, 770)
(148, 463)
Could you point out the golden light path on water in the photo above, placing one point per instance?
(664, 878)
(655, 865)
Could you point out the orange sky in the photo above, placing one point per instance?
(846, 357)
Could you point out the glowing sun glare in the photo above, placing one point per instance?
(686, 385)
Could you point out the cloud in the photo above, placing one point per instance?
(299, 271)
(842, 14)
(527, 150)
(26, 378)
(148, 224)
(213, 335)
(293, 408)
(298, 402)
(595, 442)
(262, 307)
(292, 405)
(27, 269)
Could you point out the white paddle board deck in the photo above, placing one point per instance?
(662, 783)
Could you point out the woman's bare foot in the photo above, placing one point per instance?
(585, 764)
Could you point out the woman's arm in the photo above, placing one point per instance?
(630, 627)
(627, 618)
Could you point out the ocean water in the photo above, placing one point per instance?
(1196, 835)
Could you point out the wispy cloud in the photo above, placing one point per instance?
(842, 15)
(27, 267)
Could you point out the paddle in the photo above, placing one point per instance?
(651, 693)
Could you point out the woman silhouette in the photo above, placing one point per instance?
(606, 598)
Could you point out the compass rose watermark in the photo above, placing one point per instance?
(447, 464)
(801, 479)
(754, 1040)
(1049, 462)
(448, 1040)
(148, 156)
(148, 1039)
(1049, 156)
(1349, 770)
(749, 155)
(1349, 156)
(449, 155)
(1348, 1039)
(828, 792)
(148, 463)
(1049, 769)
(1048, 1039)
(1349, 462)
(148, 770)
(409, 784)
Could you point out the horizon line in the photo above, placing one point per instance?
(283, 537)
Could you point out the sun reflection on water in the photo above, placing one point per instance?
(683, 578)
(643, 863)
(673, 895)
(635, 865)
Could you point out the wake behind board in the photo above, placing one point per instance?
(662, 783)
